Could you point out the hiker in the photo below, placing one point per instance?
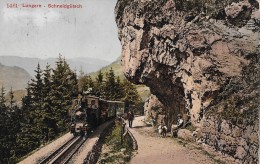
(174, 128)
(130, 116)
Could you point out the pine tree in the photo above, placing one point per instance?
(82, 80)
(119, 89)
(110, 85)
(12, 101)
(4, 151)
(11, 118)
(13, 124)
(36, 87)
(99, 85)
(64, 86)
(2, 99)
(50, 127)
(131, 96)
(27, 139)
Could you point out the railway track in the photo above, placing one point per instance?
(64, 153)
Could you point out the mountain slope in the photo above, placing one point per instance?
(116, 66)
(14, 77)
(29, 64)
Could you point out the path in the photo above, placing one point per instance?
(153, 149)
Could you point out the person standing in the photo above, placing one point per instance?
(130, 118)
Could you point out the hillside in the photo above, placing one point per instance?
(116, 66)
(13, 77)
(29, 64)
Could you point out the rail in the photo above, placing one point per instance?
(65, 152)
(57, 151)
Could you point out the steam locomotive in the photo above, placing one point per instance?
(89, 111)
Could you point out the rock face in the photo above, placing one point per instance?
(152, 107)
(197, 58)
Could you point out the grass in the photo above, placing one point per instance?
(115, 151)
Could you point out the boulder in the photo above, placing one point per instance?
(185, 134)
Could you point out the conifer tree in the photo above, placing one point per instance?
(99, 84)
(50, 127)
(27, 139)
(2, 99)
(37, 112)
(64, 86)
(37, 87)
(82, 80)
(13, 123)
(11, 120)
(119, 89)
(4, 152)
(12, 101)
(131, 96)
(110, 85)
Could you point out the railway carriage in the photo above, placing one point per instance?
(90, 111)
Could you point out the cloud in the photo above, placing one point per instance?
(35, 17)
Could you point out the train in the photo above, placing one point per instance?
(89, 111)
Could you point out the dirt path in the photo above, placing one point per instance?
(152, 149)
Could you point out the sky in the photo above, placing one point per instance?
(46, 32)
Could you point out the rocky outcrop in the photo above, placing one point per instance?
(197, 58)
(152, 108)
(236, 137)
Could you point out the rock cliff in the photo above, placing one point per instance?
(199, 58)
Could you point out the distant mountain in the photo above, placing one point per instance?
(14, 77)
(29, 64)
(143, 91)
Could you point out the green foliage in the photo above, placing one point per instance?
(99, 85)
(64, 87)
(43, 115)
(99, 79)
(2, 99)
(131, 97)
(109, 86)
(113, 141)
(9, 128)
(44, 112)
